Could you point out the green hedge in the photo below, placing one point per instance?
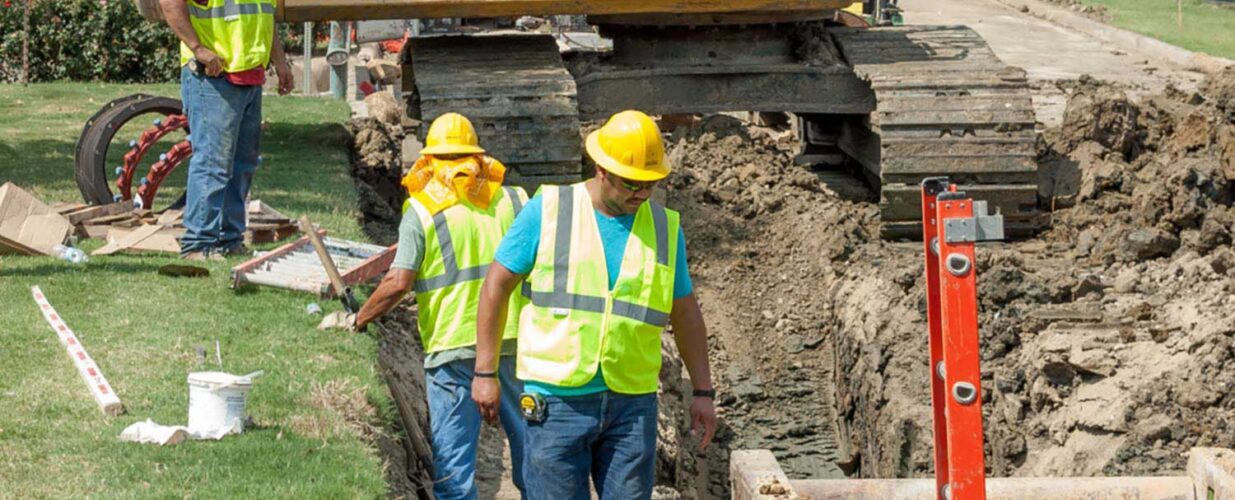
(88, 40)
(96, 40)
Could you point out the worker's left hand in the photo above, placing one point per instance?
(703, 419)
(287, 82)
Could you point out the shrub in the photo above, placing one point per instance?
(92, 40)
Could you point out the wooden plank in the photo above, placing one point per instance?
(112, 219)
(129, 240)
(64, 208)
(95, 212)
(270, 234)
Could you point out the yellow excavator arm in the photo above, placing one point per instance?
(338, 10)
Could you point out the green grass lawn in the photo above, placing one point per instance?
(1206, 27)
(141, 328)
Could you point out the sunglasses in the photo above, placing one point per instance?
(633, 186)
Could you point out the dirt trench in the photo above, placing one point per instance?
(1106, 340)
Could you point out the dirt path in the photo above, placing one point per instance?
(1050, 53)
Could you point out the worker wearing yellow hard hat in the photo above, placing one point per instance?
(605, 270)
(455, 216)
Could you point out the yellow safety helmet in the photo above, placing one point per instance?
(451, 134)
(630, 147)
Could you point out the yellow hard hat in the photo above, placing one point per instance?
(629, 146)
(451, 134)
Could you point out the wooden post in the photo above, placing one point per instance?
(25, 44)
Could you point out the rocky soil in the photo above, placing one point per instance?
(1106, 340)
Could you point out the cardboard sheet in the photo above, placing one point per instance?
(28, 223)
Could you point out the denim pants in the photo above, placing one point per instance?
(607, 436)
(456, 422)
(225, 128)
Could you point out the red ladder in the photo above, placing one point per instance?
(951, 223)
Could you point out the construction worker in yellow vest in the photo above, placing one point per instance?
(224, 50)
(453, 221)
(605, 271)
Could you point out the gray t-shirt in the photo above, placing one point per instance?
(409, 256)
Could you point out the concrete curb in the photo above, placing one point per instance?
(1131, 41)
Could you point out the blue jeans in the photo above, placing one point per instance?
(225, 128)
(456, 421)
(608, 436)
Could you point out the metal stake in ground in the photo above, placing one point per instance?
(342, 291)
(103, 394)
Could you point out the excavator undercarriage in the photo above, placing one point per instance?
(901, 103)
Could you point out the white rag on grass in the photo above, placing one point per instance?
(150, 432)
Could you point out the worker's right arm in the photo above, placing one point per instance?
(389, 292)
(176, 12)
(500, 282)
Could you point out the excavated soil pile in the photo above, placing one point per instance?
(374, 150)
(1106, 342)
(762, 235)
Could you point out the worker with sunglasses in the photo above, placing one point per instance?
(604, 268)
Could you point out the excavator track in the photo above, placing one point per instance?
(517, 93)
(946, 106)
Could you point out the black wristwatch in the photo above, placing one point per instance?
(485, 374)
(704, 393)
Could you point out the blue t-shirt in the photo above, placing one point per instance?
(518, 254)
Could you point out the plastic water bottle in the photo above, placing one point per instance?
(70, 254)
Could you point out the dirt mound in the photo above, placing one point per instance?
(761, 233)
(374, 151)
(1103, 341)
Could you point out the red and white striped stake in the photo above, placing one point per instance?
(109, 403)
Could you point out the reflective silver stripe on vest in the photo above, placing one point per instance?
(559, 298)
(576, 302)
(453, 274)
(561, 241)
(660, 223)
(514, 199)
(230, 9)
(451, 278)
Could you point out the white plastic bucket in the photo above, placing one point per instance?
(217, 402)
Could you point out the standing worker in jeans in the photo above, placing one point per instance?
(225, 47)
(453, 221)
(606, 271)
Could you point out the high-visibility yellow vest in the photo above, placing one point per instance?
(460, 242)
(239, 31)
(575, 323)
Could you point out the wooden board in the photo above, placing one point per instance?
(95, 212)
